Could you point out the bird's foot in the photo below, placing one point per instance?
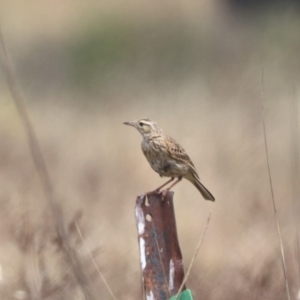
(164, 194)
(157, 191)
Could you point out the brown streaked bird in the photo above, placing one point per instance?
(167, 157)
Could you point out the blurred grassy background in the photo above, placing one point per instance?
(195, 67)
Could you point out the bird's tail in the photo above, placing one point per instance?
(202, 189)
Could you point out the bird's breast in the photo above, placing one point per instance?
(160, 160)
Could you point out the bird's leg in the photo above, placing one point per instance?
(164, 192)
(174, 183)
(160, 187)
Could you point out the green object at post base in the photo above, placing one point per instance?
(185, 295)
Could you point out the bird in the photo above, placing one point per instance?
(167, 157)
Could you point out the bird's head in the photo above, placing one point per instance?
(146, 127)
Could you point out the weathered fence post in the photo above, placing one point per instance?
(160, 254)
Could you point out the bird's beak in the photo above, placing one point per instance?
(130, 123)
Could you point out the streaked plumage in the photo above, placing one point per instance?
(166, 156)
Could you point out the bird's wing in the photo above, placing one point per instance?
(177, 152)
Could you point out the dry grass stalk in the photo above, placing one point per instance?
(194, 256)
(42, 170)
(272, 192)
(94, 263)
(295, 168)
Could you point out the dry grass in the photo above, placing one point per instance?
(97, 168)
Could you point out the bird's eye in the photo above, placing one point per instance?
(141, 124)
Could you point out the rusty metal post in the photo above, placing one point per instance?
(160, 254)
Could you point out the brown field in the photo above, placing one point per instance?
(87, 67)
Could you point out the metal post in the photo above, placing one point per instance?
(160, 254)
